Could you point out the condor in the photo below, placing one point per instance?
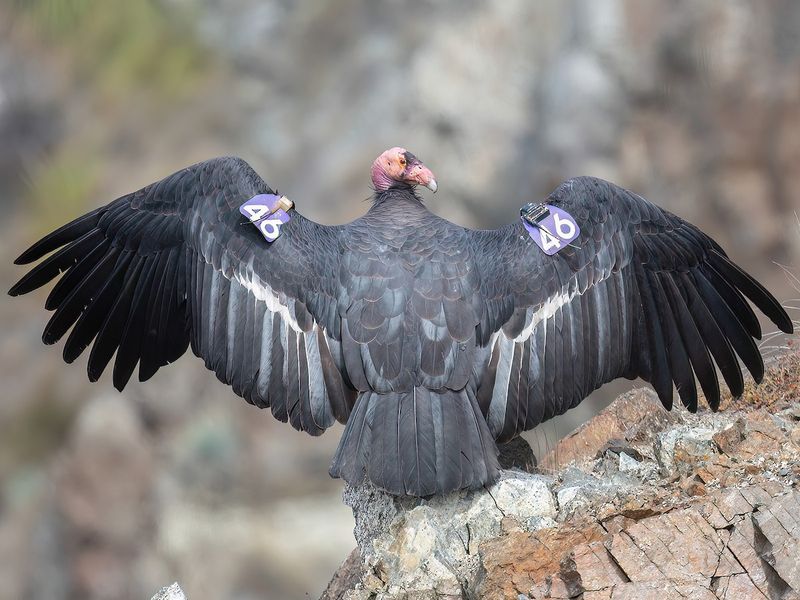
(431, 342)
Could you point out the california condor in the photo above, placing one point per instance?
(430, 341)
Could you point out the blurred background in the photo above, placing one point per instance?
(694, 104)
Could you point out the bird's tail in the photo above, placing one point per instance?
(417, 443)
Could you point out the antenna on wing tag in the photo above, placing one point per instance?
(533, 213)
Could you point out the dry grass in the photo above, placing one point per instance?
(780, 387)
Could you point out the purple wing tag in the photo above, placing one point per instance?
(270, 227)
(259, 206)
(554, 231)
(263, 212)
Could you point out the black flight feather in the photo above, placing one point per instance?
(696, 348)
(743, 344)
(149, 354)
(76, 301)
(75, 275)
(765, 301)
(89, 323)
(660, 376)
(64, 259)
(677, 356)
(110, 335)
(734, 300)
(63, 235)
(720, 347)
(130, 347)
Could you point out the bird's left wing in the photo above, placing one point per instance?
(176, 263)
(639, 293)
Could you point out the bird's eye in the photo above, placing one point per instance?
(402, 161)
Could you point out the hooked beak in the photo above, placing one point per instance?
(422, 175)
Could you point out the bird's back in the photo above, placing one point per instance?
(407, 299)
(409, 309)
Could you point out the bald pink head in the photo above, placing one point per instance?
(398, 165)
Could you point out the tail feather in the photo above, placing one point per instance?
(416, 433)
(417, 443)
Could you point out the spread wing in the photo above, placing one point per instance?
(176, 264)
(642, 293)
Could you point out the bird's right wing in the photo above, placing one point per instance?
(640, 293)
(176, 263)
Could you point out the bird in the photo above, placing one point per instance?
(431, 342)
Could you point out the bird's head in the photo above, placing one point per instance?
(397, 166)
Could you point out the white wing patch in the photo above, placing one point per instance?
(246, 276)
(264, 292)
(547, 310)
(505, 346)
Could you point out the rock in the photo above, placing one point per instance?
(518, 563)
(633, 417)
(527, 498)
(628, 463)
(705, 507)
(680, 553)
(794, 436)
(693, 487)
(730, 436)
(346, 577)
(431, 546)
(373, 511)
(170, 592)
(646, 550)
(579, 491)
(680, 448)
(777, 524)
(641, 469)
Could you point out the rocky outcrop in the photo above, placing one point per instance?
(434, 545)
(650, 505)
(170, 592)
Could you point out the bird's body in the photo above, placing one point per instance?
(429, 340)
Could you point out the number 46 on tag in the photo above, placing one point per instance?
(554, 232)
(254, 212)
(564, 230)
(265, 212)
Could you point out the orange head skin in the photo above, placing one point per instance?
(398, 166)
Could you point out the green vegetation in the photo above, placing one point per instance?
(60, 189)
(123, 47)
(126, 61)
